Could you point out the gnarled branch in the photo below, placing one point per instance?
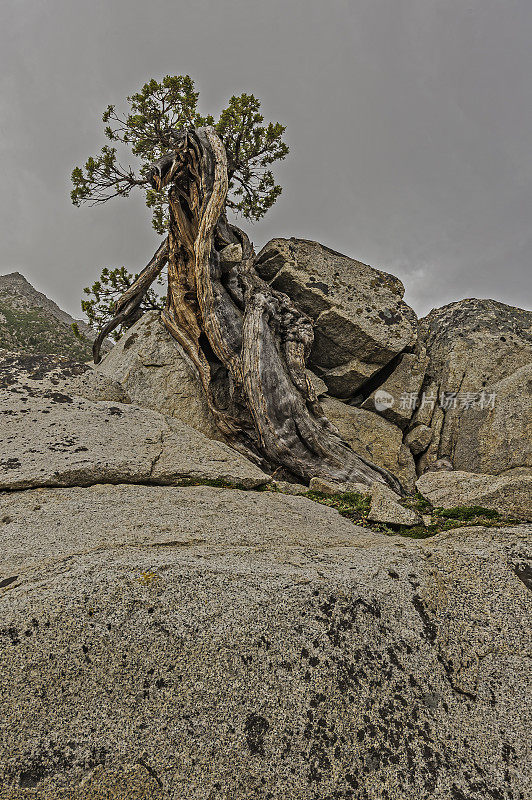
(127, 307)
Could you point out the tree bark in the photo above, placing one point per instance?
(248, 342)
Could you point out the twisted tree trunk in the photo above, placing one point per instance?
(248, 342)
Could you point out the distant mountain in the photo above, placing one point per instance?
(32, 323)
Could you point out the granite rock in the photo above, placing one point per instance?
(386, 508)
(418, 439)
(156, 373)
(498, 439)
(164, 642)
(509, 494)
(361, 321)
(51, 438)
(478, 379)
(372, 437)
(404, 386)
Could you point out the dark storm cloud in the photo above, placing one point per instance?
(410, 125)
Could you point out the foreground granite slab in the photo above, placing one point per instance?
(163, 642)
(51, 438)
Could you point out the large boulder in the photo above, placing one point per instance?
(509, 494)
(163, 642)
(53, 438)
(360, 319)
(498, 439)
(156, 373)
(477, 385)
(39, 373)
(372, 437)
(472, 344)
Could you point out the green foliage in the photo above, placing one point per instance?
(155, 113)
(251, 147)
(418, 503)
(416, 531)
(103, 294)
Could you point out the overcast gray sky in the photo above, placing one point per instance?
(409, 122)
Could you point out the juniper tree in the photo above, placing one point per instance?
(248, 342)
(156, 113)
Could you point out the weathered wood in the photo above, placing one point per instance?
(248, 341)
(127, 306)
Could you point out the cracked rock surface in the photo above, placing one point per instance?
(163, 642)
(511, 492)
(53, 438)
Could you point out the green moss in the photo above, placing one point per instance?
(418, 531)
(467, 513)
(356, 508)
(417, 503)
(352, 505)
